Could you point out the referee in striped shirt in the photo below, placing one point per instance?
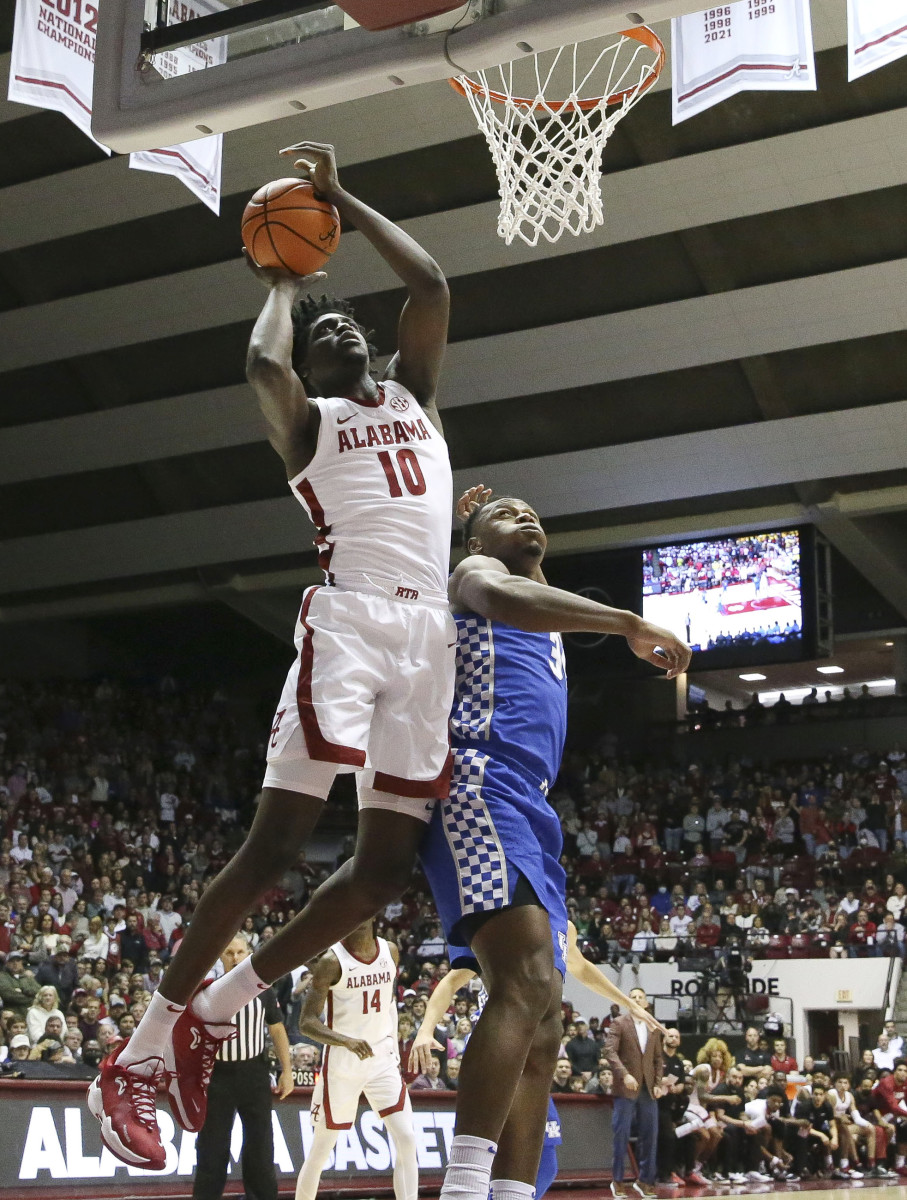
(241, 1083)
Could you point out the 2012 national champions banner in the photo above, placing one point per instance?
(51, 1142)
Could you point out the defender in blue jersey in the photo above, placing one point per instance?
(464, 968)
(491, 852)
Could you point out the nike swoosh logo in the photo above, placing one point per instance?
(450, 645)
(343, 420)
(174, 1008)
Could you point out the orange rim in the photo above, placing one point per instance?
(641, 33)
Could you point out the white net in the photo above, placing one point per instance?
(548, 152)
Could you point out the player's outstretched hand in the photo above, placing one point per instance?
(420, 1053)
(661, 648)
(472, 499)
(642, 1014)
(317, 163)
(359, 1047)
(271, 276)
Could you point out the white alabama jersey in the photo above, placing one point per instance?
(380, 494)
(362, 1004)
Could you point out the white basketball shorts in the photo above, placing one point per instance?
(370, 691)
(335, 1099)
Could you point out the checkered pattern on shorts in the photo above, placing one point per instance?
(472, 837)
(474, 694)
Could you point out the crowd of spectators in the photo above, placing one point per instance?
(700, 566)
(848, 705)
(120, 802)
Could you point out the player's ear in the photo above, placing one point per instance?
(474, 546)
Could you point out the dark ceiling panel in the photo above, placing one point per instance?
(45, 143)
(838, 375)
(794, 243)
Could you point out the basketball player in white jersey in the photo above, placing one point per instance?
(372, 685)
(355, 980)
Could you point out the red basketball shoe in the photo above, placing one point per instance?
(195, 1047)
(124, 1104)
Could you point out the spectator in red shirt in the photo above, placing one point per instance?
(890, 1094)
(862, 937)
(781, 1059)
(708, 930)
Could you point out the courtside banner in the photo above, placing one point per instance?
(743, 47)
(52, 1147)
(876, 34)
(197, 164)
(52, 61)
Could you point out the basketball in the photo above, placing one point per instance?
(286, 225)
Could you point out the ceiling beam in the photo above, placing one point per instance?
(758, 455)
(874, 546)
(659, 198)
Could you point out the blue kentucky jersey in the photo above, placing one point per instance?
(511, 696)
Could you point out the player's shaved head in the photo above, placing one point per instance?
(499, 528)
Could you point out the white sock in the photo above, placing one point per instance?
(845, 1163)
(145, 1049)
(899, 1160)
(221, 1001)
(468, 1168)
(511, 1189)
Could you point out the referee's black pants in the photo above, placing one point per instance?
(244, 1088)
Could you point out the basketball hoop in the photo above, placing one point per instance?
(548, 153)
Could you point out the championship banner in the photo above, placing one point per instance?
(876, 34)
(750, 46)
(197, 164)
(52, 61)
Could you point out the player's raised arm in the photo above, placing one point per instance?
(325, 974)
(501, 579)
(269, 365)
(595, 980)
(422, 334)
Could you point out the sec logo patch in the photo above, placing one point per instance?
(399, 403)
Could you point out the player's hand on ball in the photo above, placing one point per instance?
(420, 1054)
(360, 1048)
(661, 648)
(272, 276)
(472, 499)
(316, 162)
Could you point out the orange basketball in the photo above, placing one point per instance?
(285, 225)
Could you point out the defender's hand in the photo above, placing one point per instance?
(271, 277)
(661, 648)
(472, 499)
(316, 162)
(643, 1014)
(420, 1053)
(359, 1047)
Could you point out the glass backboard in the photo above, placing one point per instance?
(247, 63)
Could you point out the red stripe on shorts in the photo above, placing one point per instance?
(417, 789)
(401, 1100)
(319, 748)
(322, 532)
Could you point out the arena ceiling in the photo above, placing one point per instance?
(729, 351)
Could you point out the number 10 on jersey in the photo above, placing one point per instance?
(406, 469)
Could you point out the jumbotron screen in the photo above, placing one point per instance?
(728, 593)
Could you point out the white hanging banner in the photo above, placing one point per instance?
(52, 60)
(749, 46)
(876, 34)
(197, 164)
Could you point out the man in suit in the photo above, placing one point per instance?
(635, 1055)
